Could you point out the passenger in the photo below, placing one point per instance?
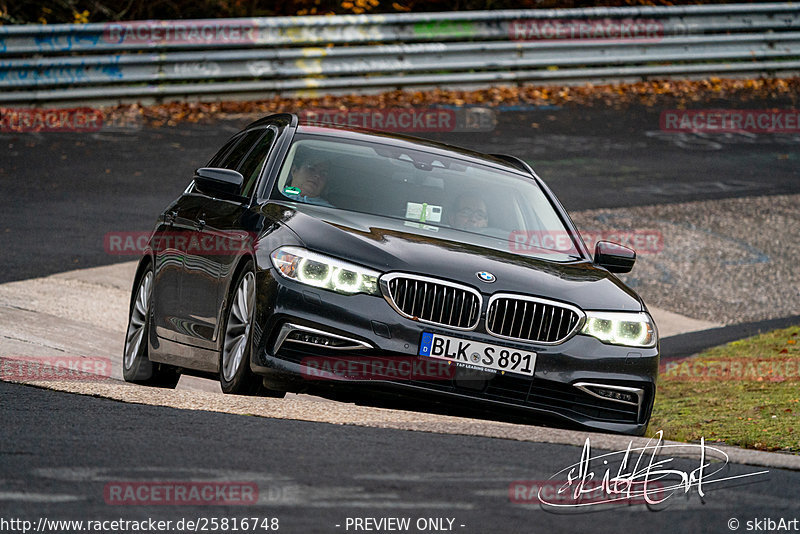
(469, 212)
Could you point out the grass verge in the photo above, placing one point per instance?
(745, 393)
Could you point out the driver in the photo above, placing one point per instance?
(310, 176)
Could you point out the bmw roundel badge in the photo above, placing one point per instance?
(486, 276)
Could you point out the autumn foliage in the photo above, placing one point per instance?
(81, 11)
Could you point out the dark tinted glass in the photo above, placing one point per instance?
(219, 156)
(250, 167)
(232, 160)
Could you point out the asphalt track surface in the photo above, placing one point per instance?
(60, 451)
(61, 193)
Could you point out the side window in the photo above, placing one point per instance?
(232, 160)
(219, 156)
(250, 167)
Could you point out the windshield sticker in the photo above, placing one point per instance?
(423, 212)
(291, 190)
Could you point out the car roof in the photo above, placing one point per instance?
(396, 139)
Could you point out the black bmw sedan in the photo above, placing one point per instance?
(304, 257)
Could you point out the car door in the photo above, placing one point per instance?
(225, 227)
(170, 243)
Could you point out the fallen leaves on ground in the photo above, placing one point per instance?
(663, 93)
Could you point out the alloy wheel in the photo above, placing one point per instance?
(237, 330)
(138, 319)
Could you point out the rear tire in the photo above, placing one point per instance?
(136, 364)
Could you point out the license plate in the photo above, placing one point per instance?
(477, 355)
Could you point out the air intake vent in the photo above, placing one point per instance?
(432, 301)
(531, 319)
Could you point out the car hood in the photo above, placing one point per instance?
(390, 245)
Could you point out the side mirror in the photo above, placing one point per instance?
(614, 257)
(219, 181)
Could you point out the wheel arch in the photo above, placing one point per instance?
(145, 260)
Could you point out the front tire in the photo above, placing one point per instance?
(136, 365)
(235, 376)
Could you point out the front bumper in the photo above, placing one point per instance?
(385, 335)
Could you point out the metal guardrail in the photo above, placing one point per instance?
(262, 57)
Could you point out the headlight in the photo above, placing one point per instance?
(629, 329)
(324, 272)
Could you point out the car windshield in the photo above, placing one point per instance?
(428, 192)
